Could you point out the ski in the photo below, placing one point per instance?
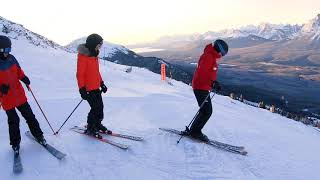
(119, 145)
(211, 140)
(17, 165)
(217, 144)
(134, 138)
(56, 153)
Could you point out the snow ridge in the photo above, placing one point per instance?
(17, 31)
(107, 50)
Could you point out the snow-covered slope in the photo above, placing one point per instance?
(17, 31)
(139, 103)
(107, 50)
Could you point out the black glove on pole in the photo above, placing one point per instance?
(216, 86)
(104, 88)
(26, 80)
(4, 88)
(83, 92)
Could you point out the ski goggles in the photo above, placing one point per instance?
(5, 50)
(222, 50)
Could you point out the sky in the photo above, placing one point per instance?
(136, 21)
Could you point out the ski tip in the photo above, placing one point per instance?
(244, 153)
(137, 139)
(74, 127)
(17, 167)
(17, 172)
(62, 157)
(164, 129)
(122, 146)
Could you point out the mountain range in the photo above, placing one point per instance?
(265, 32)
(292, 45)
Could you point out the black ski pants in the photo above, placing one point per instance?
(14, 127)
(95, 115)
(204, 113)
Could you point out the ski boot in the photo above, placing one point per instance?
(199, 135)
(16, 149)
(186, 132)
(103, 129)
(41, 140)
(93, 131)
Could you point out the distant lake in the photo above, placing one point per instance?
(224, 65)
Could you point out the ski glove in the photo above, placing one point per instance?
(104, 88)
(83, 93)
(26, 80)
(4, 89)
(216, 86)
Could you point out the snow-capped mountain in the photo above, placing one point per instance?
(107, 50)
(312, 26)
(278, 32)
(312, 30)
(268, 31)
(17, 31)
(296, 37)
(275, 32)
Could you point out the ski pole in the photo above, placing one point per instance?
(68, 117)
(204, 101)
(40, 108)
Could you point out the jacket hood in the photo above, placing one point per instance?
(82, 49)
(209, 49)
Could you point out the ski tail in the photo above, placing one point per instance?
(52, 150)
(17, 164)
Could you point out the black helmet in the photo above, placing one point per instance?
(221, 46)
(93, 40)
(5, 43)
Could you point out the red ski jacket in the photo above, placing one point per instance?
(10, 74)
(88, 74)
(207, 69)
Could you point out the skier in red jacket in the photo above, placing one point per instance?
(12, 96)
(90, 82)
(204, 80)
